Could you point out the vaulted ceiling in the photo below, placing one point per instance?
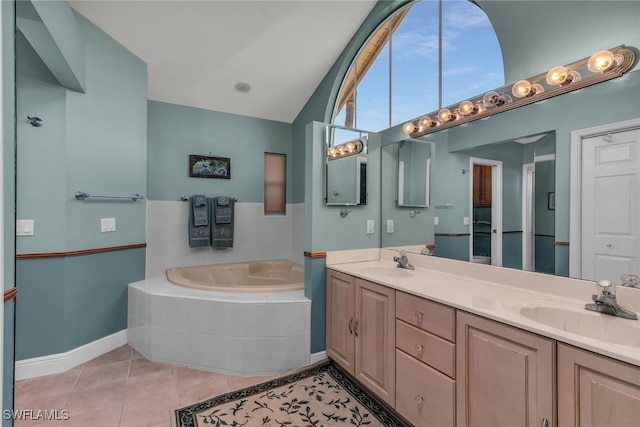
(198, 51)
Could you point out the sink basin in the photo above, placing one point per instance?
(579, 321)
(381, 270)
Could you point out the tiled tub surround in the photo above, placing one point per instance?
(256, 236)
(233, 333)
(493, 293)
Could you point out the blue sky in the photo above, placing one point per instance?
(471, 65)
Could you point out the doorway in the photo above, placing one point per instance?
(485, 236)
(605, 201)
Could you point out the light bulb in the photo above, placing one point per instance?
(467, 107)
(408, 128)
(445, 115)
(536, 88)
(521, 88)
(574, 76)
(557, 75)
(332, 152)
(426, 122)
(493, 99)
(481, 108)
(350, 146)
(601, 61)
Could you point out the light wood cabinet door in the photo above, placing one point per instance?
(595, 390)
(375, 339)
(340, 319)
(505, 376)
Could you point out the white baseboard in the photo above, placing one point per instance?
(56, 363)
(316, 357)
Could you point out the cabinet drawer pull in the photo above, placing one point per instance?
(355, 327)
(419, 315)
(419, 347)
(419, 399)
(351, 325)
(545, 422)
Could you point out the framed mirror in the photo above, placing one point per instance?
(414, 173)
(345, 167)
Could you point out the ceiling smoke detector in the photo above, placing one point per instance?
(243, 87)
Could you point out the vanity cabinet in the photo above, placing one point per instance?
(425, 361)
(361, 331)
(595, 390)
(505, 376)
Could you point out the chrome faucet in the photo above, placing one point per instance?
(402, 260)
(605, 301)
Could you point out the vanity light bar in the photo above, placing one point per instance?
(344, 150)
(600, 67)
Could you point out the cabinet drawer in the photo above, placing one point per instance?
(436, 352)
(424, 396)
(428, 315)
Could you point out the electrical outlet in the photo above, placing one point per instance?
(465, 220)
(370, 227)
(436, 220)
(389, 226)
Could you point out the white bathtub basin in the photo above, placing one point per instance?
(577, 320)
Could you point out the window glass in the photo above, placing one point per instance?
(372, 96)
(398, 77)
(471, 56)
(275, 183)
(414, 63)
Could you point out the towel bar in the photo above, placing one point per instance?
(81, 195)
(184, 198)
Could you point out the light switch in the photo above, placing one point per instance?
(436, 220)
(389, 226)
(369, 226)
(465, 220)
(107, 225)
(24, 227)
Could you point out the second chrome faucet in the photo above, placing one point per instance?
(402, 260)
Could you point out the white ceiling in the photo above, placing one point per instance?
(196, 51)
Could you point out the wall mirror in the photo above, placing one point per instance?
(345, 166)
(413, 173)
(510, 193)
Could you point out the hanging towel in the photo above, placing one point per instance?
(222, 223)
(199, 229)
(200, 210)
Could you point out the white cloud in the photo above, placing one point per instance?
(464, 15)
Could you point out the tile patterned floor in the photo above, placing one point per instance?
(121, 388)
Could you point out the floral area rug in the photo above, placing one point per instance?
(319, 396)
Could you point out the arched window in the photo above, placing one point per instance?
(426, 55)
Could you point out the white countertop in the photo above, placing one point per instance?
(499, 294)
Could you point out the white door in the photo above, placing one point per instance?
(610, 205)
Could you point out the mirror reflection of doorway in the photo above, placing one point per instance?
(486, 211)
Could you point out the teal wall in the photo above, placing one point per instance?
(77, 299)
(8, 198)
(176, 131)
(96, 142)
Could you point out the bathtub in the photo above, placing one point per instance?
(257, 276)
(257, 328)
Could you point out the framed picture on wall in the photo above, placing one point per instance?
(551, 201)
(209, 167)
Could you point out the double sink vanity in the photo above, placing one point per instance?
(461, 344)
